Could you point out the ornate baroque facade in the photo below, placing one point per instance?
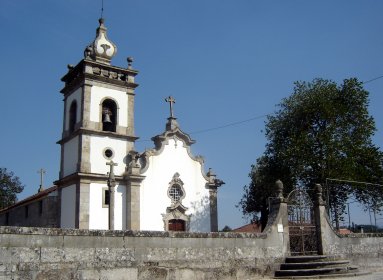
(104, 183)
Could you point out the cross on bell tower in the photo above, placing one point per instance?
(98, 125)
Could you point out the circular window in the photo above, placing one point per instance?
(108, 153)
(175, 193)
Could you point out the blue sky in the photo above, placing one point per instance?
(223, 61)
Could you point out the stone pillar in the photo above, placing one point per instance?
(111, 186)
(320, 219)
(213, 184)
(133, 184)
(82, 204)
(213, 209)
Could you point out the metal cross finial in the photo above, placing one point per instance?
(171, 100)
(42, 172)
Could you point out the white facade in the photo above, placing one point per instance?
(164, 188)
(98, 144)
(70, 156)
(174, 158)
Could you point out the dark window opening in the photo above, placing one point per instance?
(26, 211)
(177, 225)
(72, 116)
(108, 153)
(109, 115)
(40, 207)
(107, 197)
(7, 219)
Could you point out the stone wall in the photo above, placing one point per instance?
(362, 249)
(42, 253)
(37, 213)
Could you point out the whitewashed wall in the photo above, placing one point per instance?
(70, 156)
(154, 198)
(120, 207)
(98, 216)
(68, 207)
(77, 97)
(97, 159)
(120, 97)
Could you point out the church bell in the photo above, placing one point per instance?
(106, 118)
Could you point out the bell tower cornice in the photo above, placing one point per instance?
(98, 72)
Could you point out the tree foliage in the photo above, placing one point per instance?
(323, 130)
(226, 228)
(10, 186)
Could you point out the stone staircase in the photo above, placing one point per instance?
(316, 267)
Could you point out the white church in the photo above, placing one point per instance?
(103, 182)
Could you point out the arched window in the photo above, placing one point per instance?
(72, 116)
(109, 115)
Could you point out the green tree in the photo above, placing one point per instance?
(10, 186)
(226, 229)
(263, 175)
(321, 131)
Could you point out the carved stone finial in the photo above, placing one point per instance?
(212, 178)
(319, 196)
(279, 187)
(130, 61)
(101, 49)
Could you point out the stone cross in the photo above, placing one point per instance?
(42, 172)
(171, 100)
(111, 172)
(111, 185)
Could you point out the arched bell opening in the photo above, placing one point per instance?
(109, 115)
(72, 116)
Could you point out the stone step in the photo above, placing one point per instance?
(312, 258)
(315, 271)
(316, 264)
(327, 276)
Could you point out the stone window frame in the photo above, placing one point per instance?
(104, 191)
(109, 98)
(108, 148)
(176, 181)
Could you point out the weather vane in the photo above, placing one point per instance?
(102, 8)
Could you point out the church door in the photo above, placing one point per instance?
(177, 225)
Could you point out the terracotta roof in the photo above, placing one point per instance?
(30, 199)
(253, 227)
(344, 231)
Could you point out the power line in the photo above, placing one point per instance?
(374, 79)
(227, 125)
(354, 182)
(247, 120)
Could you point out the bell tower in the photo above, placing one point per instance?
(98, 128)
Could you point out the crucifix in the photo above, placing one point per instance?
(42, 172)
(171, 100)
